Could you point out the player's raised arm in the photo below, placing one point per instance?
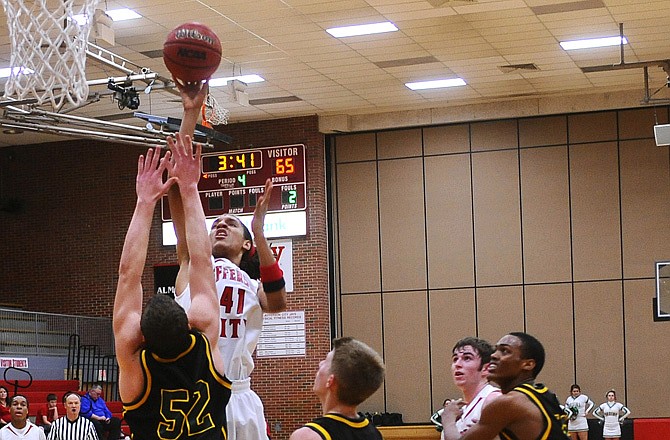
(272, 293)
(192, 97)
(204, 312)
(128, 301)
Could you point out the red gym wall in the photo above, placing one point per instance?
(61, 250)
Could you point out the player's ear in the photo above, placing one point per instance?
(246, 245)
(528, 364)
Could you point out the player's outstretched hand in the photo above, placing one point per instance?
(262, 205)
(149, 184)
(186, 165)
(193, 94)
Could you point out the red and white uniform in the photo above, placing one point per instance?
(473, 410)
(29, 432)
(241, 324)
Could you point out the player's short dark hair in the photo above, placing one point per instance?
(51, 396)
(164, 325)
(19, 395)
(358, 369)
(531, 348)
(483, 348)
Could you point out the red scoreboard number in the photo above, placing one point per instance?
(232, 181)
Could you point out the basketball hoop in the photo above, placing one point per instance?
(48, 50)
(213, 113)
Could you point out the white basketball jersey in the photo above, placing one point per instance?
(473, 410)
(241, 317)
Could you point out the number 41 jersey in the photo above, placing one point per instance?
(184, 397)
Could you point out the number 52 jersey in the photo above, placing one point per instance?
(184, 397)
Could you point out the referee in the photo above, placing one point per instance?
(72, 426)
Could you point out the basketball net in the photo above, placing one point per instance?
(213, 113)
(48, 50)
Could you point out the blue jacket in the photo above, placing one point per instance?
(97, 407)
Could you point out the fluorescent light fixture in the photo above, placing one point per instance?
(435, 84)
(115, 14)
(122, 14)
(6, 71)
(247, 79)
(362, 29)
(593, 42)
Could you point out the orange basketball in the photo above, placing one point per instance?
(192, 52)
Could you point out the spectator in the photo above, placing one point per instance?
(4, 407)
(72, 426)
(94, 408)
(579, 406)
(44, 420)
(612, 414)
(20, 428)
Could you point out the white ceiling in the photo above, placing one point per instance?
(285, 42)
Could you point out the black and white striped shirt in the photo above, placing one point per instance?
(80, 429)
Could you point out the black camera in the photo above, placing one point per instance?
(125, 96)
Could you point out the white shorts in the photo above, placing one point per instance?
(244, 413)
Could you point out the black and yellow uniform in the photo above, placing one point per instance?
(337, 427)
(184, 397)
(555, 421)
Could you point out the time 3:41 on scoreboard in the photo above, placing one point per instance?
(232, 181)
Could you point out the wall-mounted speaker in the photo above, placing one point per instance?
(662, 134)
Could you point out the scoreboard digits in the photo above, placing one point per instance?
(232, 181)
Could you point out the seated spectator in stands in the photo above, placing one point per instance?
(44, 420)
(19, 427)
(72, 426)
(5, 418)
(94, 408)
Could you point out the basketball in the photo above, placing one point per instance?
(192, 52)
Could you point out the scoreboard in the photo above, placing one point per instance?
(232, 181)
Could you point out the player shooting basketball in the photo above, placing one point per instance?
(238, 266)
(172, 387)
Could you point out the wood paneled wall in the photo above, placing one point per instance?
(549, 225)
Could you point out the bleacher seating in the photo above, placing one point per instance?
(37, 393)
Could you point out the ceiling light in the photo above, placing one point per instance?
(115, 14)
(6, 71)
(593, 42)
(122, 14)
(247, 79)
(363, 29)
(435, 84)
